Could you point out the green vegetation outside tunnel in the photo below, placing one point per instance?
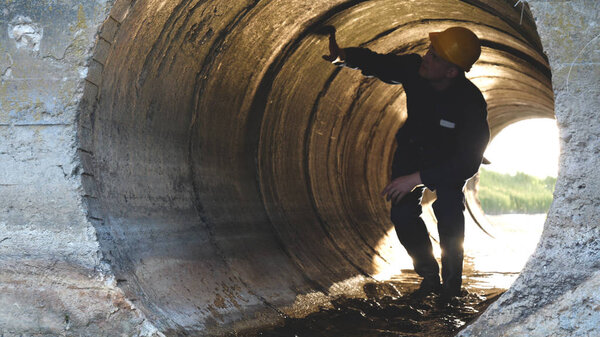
(501, 193)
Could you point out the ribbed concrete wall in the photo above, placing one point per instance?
(194, 167)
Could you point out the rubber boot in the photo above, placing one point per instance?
(426, 266)
(413, 235)
(452, 265)
(448, 209)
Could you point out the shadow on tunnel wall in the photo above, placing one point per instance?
(231, 172)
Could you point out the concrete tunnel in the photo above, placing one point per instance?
(194, 168)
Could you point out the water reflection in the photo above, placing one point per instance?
(496, 262)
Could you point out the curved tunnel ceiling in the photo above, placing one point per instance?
(239, 173)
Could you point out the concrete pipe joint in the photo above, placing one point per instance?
(194, 167)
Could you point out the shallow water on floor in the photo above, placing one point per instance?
(388, 309)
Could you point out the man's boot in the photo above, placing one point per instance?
(452, 265)
(429, 285)
(427, 267)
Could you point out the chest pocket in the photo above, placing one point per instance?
(447, 115)
(447, 134)
(447, 124)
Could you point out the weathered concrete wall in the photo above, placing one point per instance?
(557, 292)
(158, 171)
(52, 279)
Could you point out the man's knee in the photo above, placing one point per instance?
(408, 209)
(448, 209)
(405, 213)
(449, 201)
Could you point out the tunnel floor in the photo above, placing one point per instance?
(387, 309)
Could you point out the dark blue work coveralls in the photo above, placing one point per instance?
(443, 138)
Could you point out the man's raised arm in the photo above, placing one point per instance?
(389, 68)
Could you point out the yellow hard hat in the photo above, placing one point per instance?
(457, 45)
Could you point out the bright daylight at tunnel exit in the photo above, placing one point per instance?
(294, 168)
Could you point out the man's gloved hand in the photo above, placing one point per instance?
(336, 54)
(401, 186)
(325, 30)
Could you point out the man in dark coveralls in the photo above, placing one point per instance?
(440, 145)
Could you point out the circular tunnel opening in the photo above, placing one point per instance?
(514, 192)
(528, 146)
(235, 175)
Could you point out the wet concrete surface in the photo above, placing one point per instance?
(389, 309)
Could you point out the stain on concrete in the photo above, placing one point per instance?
(25, 33)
